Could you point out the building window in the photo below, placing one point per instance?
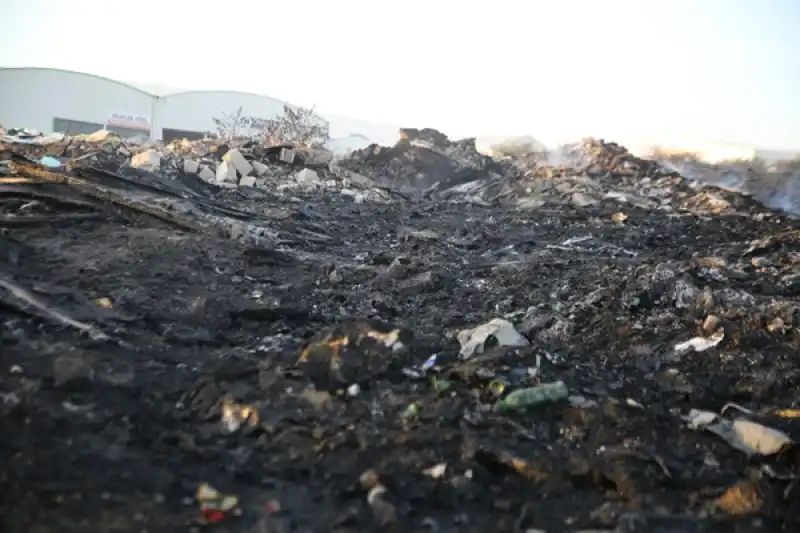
(127, 133)
(74, 127)
(171, 134)
(79, 127)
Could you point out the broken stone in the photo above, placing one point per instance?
(247, 181)
(421, 283)
(307, 177)
(206, 174)
(235, 158)
(191, 166)
(260, 167)
(226, 173)
(287, 155)
(398, 269)
(147, 160)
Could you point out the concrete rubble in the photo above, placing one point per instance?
(424, 163)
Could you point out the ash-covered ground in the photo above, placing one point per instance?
(153, 323)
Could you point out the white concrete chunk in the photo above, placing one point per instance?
(190, 166)
(307, 177)
(260, 167)
(241, 164)
(247, 181)
(287, 155)
(226, 172)
(206, 174)
(316, 156)
(147, 160)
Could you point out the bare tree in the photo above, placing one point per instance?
(300, 127)
(297, 126)
(229, 124)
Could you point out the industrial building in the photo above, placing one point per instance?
(53, 100)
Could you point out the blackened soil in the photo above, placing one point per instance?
(116, 436)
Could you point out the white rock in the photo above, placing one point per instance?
(307, 177)
(247, 181)
(226, 172)
(236, 158)
(287, 155)
(147, 160)
(190, 166)
(260, 167)
(206, 174)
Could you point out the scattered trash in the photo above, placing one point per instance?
(384, 512)
(436, 471)
(700, 344)
(496, 332)
(411, 412)
(523, 398)
(429, 363)
(154, 296)
(787, 413)
(50, 162)
(741, 499)
(235, 415)
(215, 506)
(747, 436)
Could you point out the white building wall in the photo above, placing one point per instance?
(343, 127)
(33, 97)
(195, 110)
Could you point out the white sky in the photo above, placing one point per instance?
(643, 70)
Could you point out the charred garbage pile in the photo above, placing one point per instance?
(425, 161)
(589, 173)
(243, 333)
(773, 183)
